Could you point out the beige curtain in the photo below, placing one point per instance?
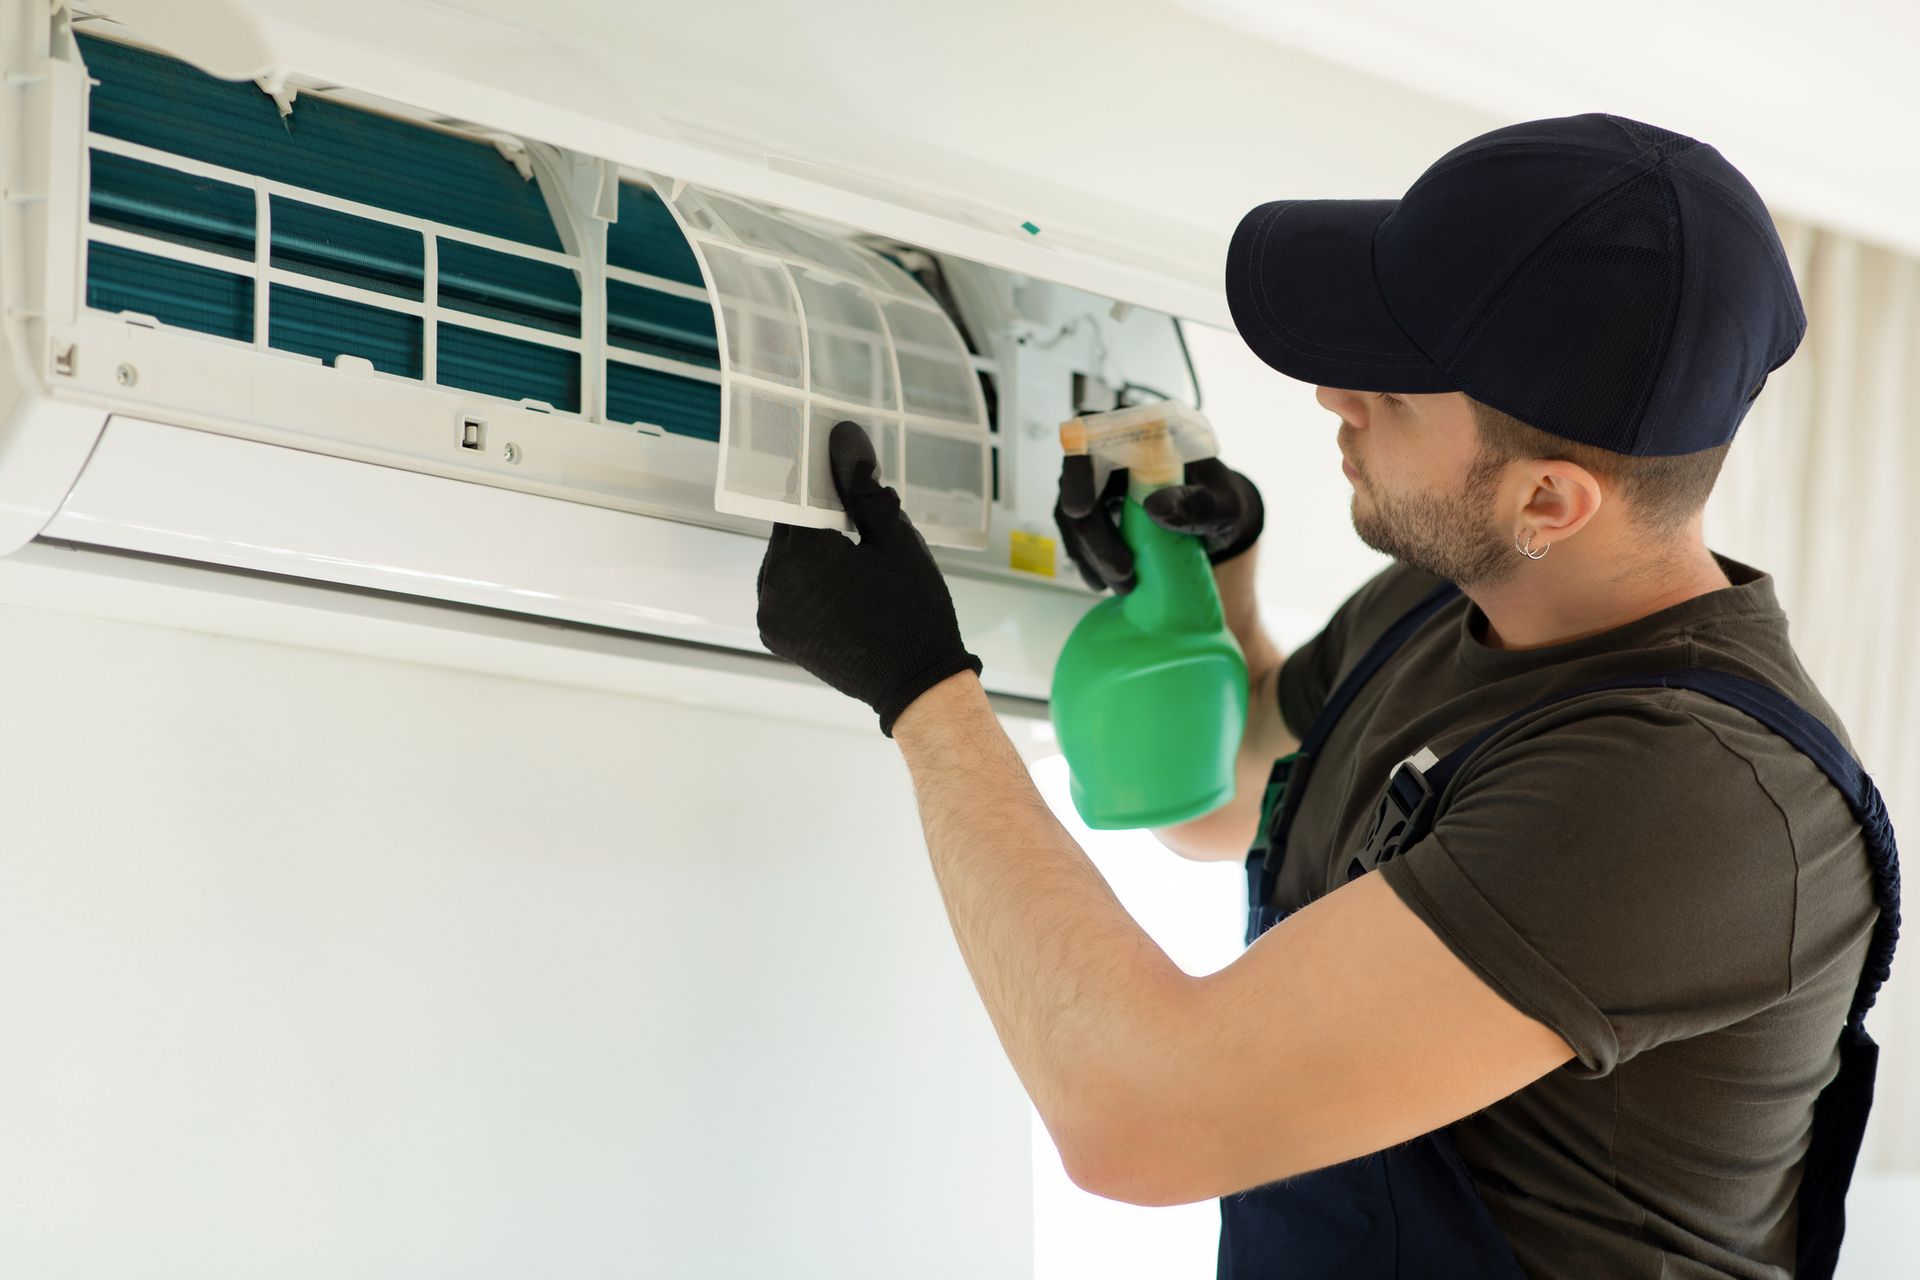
(1822, 489)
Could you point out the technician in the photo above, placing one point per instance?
(1567, 896)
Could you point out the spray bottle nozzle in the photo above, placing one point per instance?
(1154, 442)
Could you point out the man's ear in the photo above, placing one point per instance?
(1565, 496)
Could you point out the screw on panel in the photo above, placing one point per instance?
(126, 375)
(512, 452)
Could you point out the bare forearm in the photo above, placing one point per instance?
(1076, 990)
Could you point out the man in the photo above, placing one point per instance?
(1584, 1016)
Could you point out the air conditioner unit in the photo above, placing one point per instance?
(374, 318)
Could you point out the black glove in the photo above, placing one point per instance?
(872, 619)
(1216, 503)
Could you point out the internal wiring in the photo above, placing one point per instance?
(1193, 376)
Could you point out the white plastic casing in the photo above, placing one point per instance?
(233, 454)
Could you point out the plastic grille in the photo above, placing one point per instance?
(662, 324)
(539, 295)
(166, 204)
(1616, 268)
(331, 245)
(328, 150)
(315, 324)
(175, 293)
(684, 406)
(495, 365)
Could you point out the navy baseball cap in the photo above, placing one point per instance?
(1601, 279)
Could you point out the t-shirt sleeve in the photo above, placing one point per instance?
(1617, 874)
(1308, 676)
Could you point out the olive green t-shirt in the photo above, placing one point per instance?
(1674, 889)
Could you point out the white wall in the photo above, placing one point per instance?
(317, 965)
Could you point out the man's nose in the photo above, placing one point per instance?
(1347, 404)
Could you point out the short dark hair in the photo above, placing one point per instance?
(1661, 493)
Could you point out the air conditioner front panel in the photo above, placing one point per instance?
(199, 496)
(382, 290)
(276, 314)
(381, 247)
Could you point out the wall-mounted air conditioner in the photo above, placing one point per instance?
(332, 322)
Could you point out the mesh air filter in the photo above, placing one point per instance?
(815, 330)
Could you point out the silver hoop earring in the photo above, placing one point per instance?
(1528, 550)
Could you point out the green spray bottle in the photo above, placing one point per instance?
(1150, 693)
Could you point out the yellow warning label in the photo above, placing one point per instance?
(1030, 553)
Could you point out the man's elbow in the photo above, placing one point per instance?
(1163, 1139)
(1176, 1163)
(1136, 1147)
(1141, 1119)
(1136, 1168)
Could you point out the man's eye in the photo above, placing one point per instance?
(1389, 399)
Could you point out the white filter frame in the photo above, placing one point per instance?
(883, 285)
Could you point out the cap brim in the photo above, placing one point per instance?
(1301, 287)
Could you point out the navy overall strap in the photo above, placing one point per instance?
(1840, 1113)
(1291, 773)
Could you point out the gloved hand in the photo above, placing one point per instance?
(874, 620)
(1216, 503)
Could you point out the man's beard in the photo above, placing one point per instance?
(1445, 534)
